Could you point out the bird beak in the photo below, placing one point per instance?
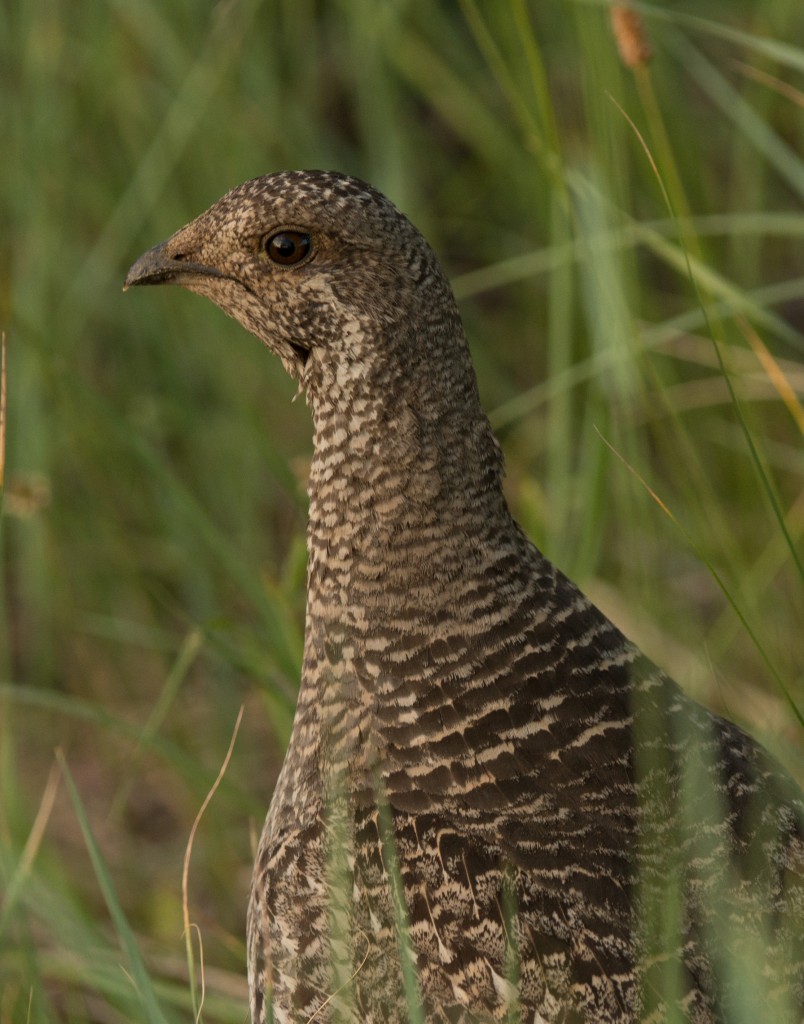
(157, 266)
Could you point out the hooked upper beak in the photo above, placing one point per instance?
(157, 266)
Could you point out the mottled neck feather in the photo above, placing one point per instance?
(406, 472)
(405, 464)
(411, 545)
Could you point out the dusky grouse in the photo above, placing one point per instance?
(493, 806)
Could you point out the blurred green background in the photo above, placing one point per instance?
(626, 246)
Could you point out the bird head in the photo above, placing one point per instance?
(314, 263)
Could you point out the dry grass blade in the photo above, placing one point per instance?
(185, 875)
(771, 81)
(771, 367)
(32, 845)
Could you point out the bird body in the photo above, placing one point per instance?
(493, 806)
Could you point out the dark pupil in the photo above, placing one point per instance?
(288, 247)
(284, 246)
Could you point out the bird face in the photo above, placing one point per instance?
(315, 264)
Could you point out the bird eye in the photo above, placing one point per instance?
(287, 247)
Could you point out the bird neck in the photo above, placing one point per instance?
(410, 546)
(406, 474)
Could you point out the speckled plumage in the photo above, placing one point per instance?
(485, 781)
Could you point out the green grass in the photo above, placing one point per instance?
(618, 242)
